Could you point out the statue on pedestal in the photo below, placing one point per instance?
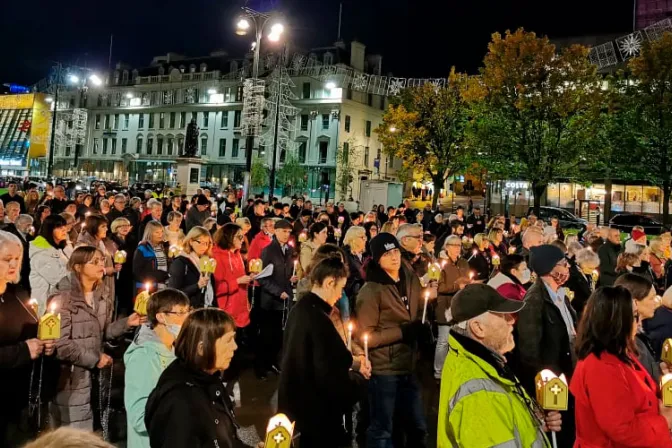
(191, 140)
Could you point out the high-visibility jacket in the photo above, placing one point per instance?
(479, 407)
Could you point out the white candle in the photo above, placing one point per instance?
(294, 271)
(366, 347)
(471, 276)
(350, 336)
(424, 311)
(147, 286)
(473, 255)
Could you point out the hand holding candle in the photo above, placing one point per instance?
(34, 305)
(366, 347)
(424, 311)
(350, 328)
(294, 270)
(49, 327)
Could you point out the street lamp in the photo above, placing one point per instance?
(95, 80)
(330, 85)
(244, 25)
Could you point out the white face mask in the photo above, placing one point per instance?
(173, 329)
(525, 276)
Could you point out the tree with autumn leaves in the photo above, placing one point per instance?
(426, 128)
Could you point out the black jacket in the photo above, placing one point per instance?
(6, 199)
(608, 254)
(274, 285)
(659, 328)
(475, 224)
(184, 275)
(355, 277)
(542, 339)
(582, 286)
(480, 264)
(190, 408)
(315, 388)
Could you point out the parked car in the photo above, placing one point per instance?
(567, 220)
(626, 221)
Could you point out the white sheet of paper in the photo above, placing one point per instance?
(266, 272)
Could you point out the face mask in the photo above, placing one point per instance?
(560, 277)
(525, 276)
(173, 329)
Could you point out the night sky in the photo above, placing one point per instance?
(416, 38)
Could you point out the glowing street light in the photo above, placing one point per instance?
(242, 27)
(73, 79)
(393, 129)
(277, 28)
(129, 95)
(95, 80)
(212, 91)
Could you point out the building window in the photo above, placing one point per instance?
(346, 152)
(224, 121)
(366, 156)
(228, 95)
(151, 121)
(162, 120)
(368, 128)
(325, 121)
(304, 122)
(302, 152)
(194, 116)
(306, 90)
(370, 99)
(234, 148)
(283, 155)
(169, 146)
(70, 123)
(96, 143)
(114, 146)
(104, 146)
(116, 121)
(204, 146)
(97, 121)
(324, 148)
(239, 94)
(382, 103)
(206, 119)
(222, 147)
(127, 120)
(124, 145)
(68, 149)
(180, 144)
(99, 101)
(107, 122)
(150, 144)
(172, 120)
(138, 145)
(347, 123)
(141, 121)
(236, 119)
(159, 145)
(183, 120)
(348, 94)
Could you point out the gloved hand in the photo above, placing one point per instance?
(411, 330)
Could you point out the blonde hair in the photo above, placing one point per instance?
(388, 227)
(118, 223)
(150, 228)
(243, 222)
(493, 234)
(195, 232)
(352, 234)
(69, 219)
(480, 239)
(66, 437)
(657, 246)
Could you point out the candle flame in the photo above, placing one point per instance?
(426, 295)
(350, 326)
(471, 275)
(475, 251)
(147, 286)
(53, 308)
(32, 301)
(366, 337)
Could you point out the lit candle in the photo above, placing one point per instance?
(87, 214)
(424, 311)
(83, 224)
(49, 327)
(443, 264)
(294, 271)
(366, 347)
(34, 305)
(471, 276)
(474, 253)
(350, 326)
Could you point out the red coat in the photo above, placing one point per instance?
(259, 243)
(230, 296)
(616, 405)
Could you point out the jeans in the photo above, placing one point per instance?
(441, 350)
(388, 393)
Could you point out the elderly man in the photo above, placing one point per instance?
(482, 402)
(155, 209)
(118, 208)
(532, 237)
(608, 254)
(199, 213)
(410, 240)
(12, 195)
(59, 201)
(547, 327)
(12, 211)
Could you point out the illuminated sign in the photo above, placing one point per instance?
(517, 185)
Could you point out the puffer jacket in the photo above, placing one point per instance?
(381, 312)
(308, 249)
(48, 265)
(108, 248)
(83, 330)
(229, 295)
(145, 360)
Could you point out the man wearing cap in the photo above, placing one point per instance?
(197, 214)
(276, 297)
(546, 327)
(389, 309)
(482, 403)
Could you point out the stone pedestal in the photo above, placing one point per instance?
(189, 174)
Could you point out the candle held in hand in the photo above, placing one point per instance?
(49, 327)
(424, 311)
(366, 347)
(34, 305)
(350, 327)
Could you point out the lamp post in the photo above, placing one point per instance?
(259, 20)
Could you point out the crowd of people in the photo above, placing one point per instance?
(346, 309)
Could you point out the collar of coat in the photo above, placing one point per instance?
(71, 293)
(318, 302)
(478, 350)
(376, 274)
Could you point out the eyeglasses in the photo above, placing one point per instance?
(240, 237)
(97, 261)
(180, 313)
(417, 237)
(207, 243)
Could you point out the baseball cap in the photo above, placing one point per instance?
(476, 299)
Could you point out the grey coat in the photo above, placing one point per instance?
(79, 348)
(109, 292)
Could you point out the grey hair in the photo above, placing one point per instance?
(120, 196)
(151, 227)
(405, 230)
(24, 221)
(135, 200)
(352, 234)
(573, 248)
(587, 256)
(153, 203)
(452, 239)
(7, 239)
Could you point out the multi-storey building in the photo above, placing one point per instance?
(137, 122)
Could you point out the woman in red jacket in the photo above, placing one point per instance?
(617, 403)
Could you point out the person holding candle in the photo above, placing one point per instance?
(389, 308)
(185, 272)
(150, 261)
(173, 231)
(617, 401)
(497, 245)
(410, 243)
(18, 341)
(315, 388)
(48, 262)
(354, 245)
(480, 260)
(84, 326)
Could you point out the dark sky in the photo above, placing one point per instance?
(416, 38)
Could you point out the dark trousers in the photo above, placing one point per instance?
(270, 340)
(390, 392)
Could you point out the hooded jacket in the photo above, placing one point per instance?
(108, 248)
(145, 360)
(229, 295)
(381, 312)
(48, 265)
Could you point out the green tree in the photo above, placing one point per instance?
(292, 174)
(258, 173)
(426, 128)
(652, 93)
(537, 118)
(347, 161)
